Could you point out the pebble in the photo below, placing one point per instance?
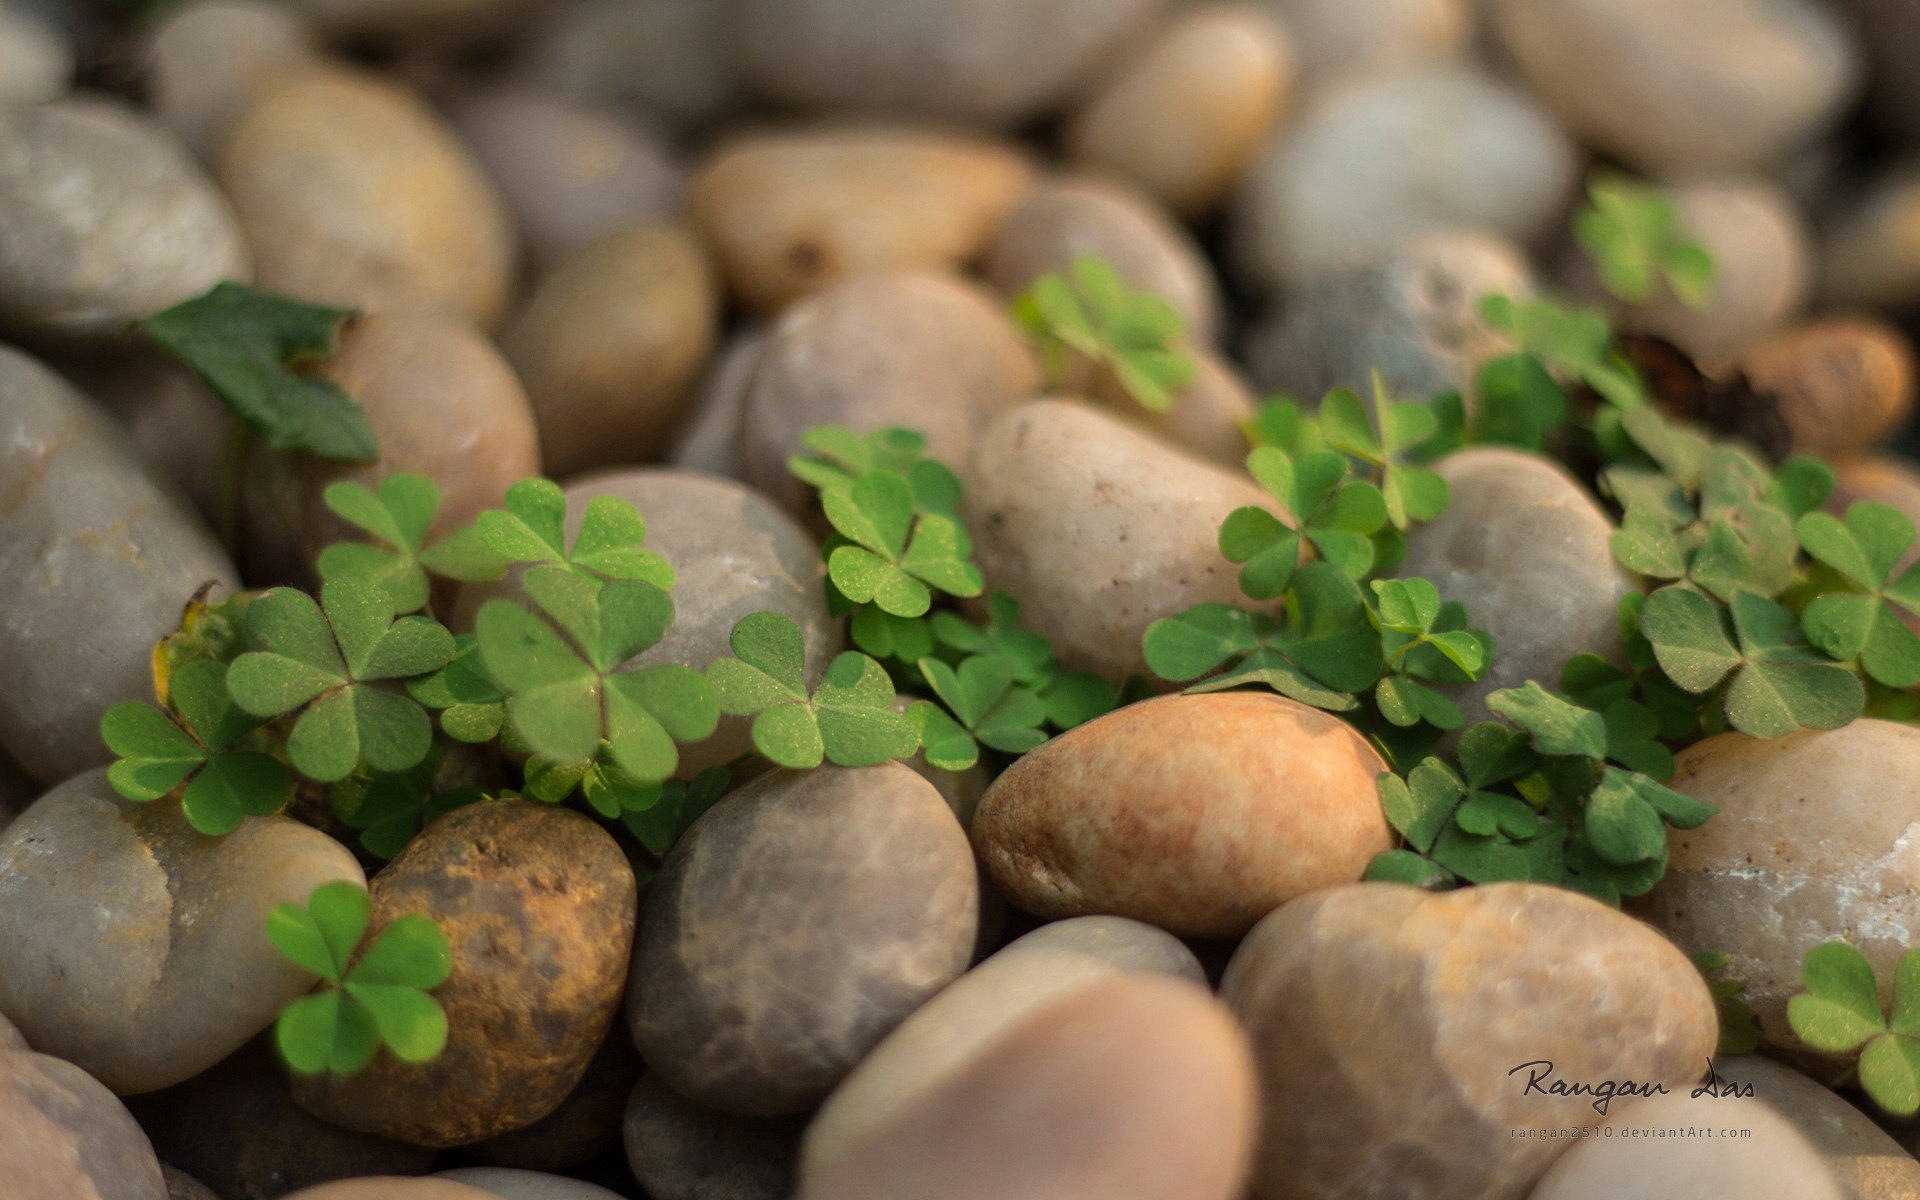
(538, 904)
(1378, 163)
(1752, 1152)
(951, 1031)
(206, 62)
(1750, 885)
(669, 58)
(1843, 384)
(1412, 315)
(1762, 269)
(510, 1184)
(1198, 814)
(182, 1186)
(1099, 529)
(176, 425)
(1339, 39)
(568, 173)
(919, 351)
(35, 61)
(1864, 1160)
(442, 403)
(64, 1135)
(391, 1187)
(1886, 31)
(104, 219)
(789, 212)
(354, 194)
(1387, 1022)
(585, 1125)
(1209, 416)
(968, 61)
(1526, 549)
(1065, 219)
(236, 1127)
(96, 562)
(421, 22)
(1134, 1085)
(864, 902)
(1869, 255)
(135, 947)
(10, 1038)
(709, 440)
(611, 343)
(1184, 115)
(1710, 85)
(681, 1151)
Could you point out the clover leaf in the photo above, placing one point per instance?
(388, 808)
(338, 664)
(560, 672)
(1027, 654)
(841, 457)
(1633, 728)
(679, 804)
(199, 745)
(1634, 237)
(530, 527)
(1072, 698)
(892, 555)
(987, 705)
(1336, 513)
(397, 514)
(1739, 1027)
(1577, 342)
(1092, 314)
(378, 997)
(1866, 549)
(1321, 650)
(1839, 1012)
(848, 720)
(1776, 684)
(1518, 402)
(904, 640)
(1285, 425)
(1387, 439)
(471, 705)
(1556, 726)
(1424, 641)
(250, 348)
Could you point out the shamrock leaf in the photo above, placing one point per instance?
(471, 706)
(379, 999)
(566, 693)
(1336, 513)
(531, 528)
(903, 639)
(893, 556)
(336, 663)
(1405, 866)
(987, 704)
(389, 808)
(1575, 342)
(1777, 684)
(397, 515)
(1840, 1013)
(1425, 641)
(1556, 726)
(248, 347)
(1073, 698)
(1285, 425)
(1517, 402)
(680, 803)
(1093, 316)
(198, 747)
(841, 457)
(849, 720)
(1866, 549)
(1739, 1026)
(1632, 234)
(1027, 654)
(1387, 439)
(1627, 814)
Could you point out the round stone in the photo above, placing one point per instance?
(681, 1151)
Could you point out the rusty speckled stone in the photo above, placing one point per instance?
(1199, 814)
(1388, 1021)
(538, 905)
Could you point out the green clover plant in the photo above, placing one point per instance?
(1090, 315)
(849, 720)
(1839, 1012)
(397, 515)
(201, 741)
(1634, 238)
(1739, 1026)
(1866, 548)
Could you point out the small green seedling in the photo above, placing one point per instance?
(1424, 642)
(377, 997)
(1387, 439)
(253, 350)
(1091, 314)
(397, 515)
(530, 528)
(203, 744)
(1332, 511)
(891, 553)
(1840, 1013)
(987, 707)
(848, 720)
(1866, 548)
(841, 458)
(1634, 238)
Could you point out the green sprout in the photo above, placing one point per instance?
(1424, 642)
(1839, 1012)
(203, 744)
(339, 663)
(849, 720)
(1335, 513)
(988, 706)
(376, 998)
(890, 552)
(1739, 1026)
(1388, 439)
(397, 515)
(1866, 549)
(842, 457)
(251, 349)
(1634, 238)
(530, 528)
(1091, 315)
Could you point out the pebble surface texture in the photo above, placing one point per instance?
(1864, 1160)
(1526, 549)
(104, 218)
(1386, 1021)
(538, 905)
(391, 1187)
(1099, 528)
(681, 1151)
(135, 947)
(63, 1136)
(1198, 814)
(1175, 1120)
(798, 921)
(1815, 841)
(96, 562)
(1844, 384)
(1776, 1164)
